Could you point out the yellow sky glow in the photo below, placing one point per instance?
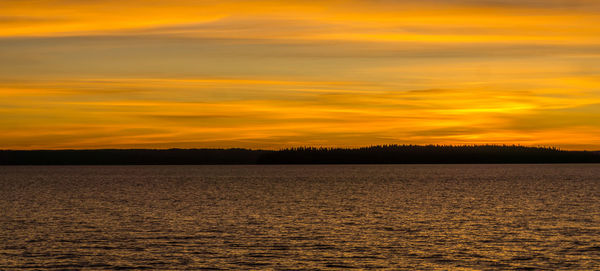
(273, 74)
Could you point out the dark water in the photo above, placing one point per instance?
(470, 217)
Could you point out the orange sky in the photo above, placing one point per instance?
(272, 74)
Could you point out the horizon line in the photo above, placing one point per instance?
(550, 147)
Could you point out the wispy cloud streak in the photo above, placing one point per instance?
(271, 74)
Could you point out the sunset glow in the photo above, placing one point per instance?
(273, 74)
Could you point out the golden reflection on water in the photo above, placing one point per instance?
(431, 217)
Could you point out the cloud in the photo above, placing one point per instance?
(508, 4)
(537, 4)
(271, 73)
(29, 20)
(570, 119)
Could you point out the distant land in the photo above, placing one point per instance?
(386, 154)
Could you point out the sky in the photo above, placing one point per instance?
(88, 74)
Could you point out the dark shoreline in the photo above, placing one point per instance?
(388, 154)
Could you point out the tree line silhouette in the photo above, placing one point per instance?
(433, 154)
(381, 154)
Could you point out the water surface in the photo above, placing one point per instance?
(481, 217)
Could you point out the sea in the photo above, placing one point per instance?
(301, 217)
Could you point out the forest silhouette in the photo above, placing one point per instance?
(381, 154)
